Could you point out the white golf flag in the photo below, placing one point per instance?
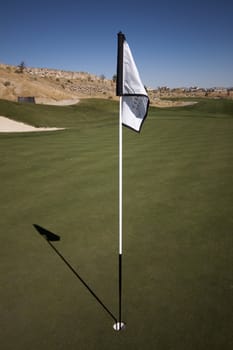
(135, 101)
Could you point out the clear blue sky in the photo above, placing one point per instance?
(174, 43)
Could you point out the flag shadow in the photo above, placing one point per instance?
(52, 237)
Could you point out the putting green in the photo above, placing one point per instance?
(177, 228)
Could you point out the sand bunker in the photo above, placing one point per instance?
(167, 103)
(9, 125)
(52, 102)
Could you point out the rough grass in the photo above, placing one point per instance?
(177, 260)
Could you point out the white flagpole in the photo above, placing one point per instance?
(120, 213)
(128, 85)
(120, 325)
(120, 176)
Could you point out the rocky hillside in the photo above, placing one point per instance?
(50, 84)
(54, 86)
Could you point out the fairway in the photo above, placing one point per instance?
(177, 228)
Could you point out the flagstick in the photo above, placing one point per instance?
(120, 325)
(120, 178)
(120, 209)
(128, 85)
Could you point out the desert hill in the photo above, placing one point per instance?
(51, 84)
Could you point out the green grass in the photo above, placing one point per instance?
(83, 115)
(178, 223)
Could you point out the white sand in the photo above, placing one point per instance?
(167, 103)
(8, 125)
(49, 101)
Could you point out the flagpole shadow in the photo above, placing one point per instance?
(52, 237)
